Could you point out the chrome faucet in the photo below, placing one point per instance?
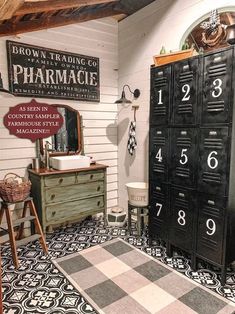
(47, 150)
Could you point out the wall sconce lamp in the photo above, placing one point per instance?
(3, 90)
(123, 99)
(230, 34)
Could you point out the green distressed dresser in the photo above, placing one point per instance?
(68, 195)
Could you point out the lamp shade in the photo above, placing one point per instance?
(123, 99)
(230, 34)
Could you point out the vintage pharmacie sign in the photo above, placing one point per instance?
(42, 72)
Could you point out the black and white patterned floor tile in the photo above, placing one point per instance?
(38, 287)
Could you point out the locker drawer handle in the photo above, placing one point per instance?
(52, 196)
(98, 203)
(91, 176)
(61, 180)
(98, 188)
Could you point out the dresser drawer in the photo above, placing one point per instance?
(65, 211)
(58, 194)
(60, 180)
(90, 176)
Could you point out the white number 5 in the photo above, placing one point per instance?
(184, 158)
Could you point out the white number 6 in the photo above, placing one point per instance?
(215, 161)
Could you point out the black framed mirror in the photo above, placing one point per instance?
(68, 139)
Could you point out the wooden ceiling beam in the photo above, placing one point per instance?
(9, 28)
(8, 8)
(45, 6)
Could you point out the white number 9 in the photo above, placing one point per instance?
(210, 224)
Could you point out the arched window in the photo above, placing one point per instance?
(210, 31)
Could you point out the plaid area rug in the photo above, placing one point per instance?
(117, 278)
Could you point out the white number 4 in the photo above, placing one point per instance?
(159, 155)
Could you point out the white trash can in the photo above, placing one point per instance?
(137, 193)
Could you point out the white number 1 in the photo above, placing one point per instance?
(160, 97)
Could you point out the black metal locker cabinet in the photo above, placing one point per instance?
(186, 92)
(213, 160)
(183, 152)
(211, 228)
(158, 211)
(160, 98)
(159, 156)
(200, 138)
(182, 212)
(216, 87)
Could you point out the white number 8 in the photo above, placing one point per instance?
(181, 219)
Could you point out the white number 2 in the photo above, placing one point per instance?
(159, 155)
(217, 88)
(184, 158)
(181, 219)
(210, 158)
(159, 208)
(186, 90)
(210, 224)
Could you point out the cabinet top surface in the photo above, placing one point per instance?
(45, 172)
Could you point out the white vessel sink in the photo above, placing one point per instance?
(70, 162)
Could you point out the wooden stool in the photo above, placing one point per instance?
(17, 240)
(141, 213)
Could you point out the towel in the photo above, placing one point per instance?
(132, 143)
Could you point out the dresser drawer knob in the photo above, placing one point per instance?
(98, 188)
(98, 203)
(61, 180)
(91, 176)
(53, 214)
(52, 196)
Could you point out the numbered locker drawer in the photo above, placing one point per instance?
(159, 153)
(210, 230)
(160, 101)
(159, 210)
(216, 87)
(186, 92)
(184, 156)
(182, 222)
(213, 160)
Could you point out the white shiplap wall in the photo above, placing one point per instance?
(98, 38)
(141, 36)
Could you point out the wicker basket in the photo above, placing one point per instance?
(14, 188)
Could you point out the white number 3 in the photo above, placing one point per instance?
(217, 88)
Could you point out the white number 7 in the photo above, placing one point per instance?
(159, 207)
